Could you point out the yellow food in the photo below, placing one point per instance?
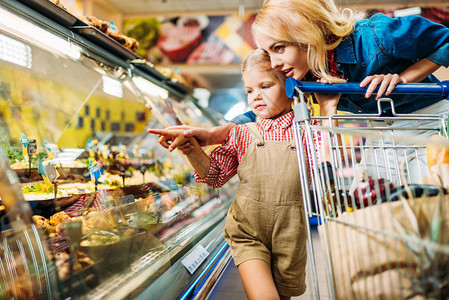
(437, 151)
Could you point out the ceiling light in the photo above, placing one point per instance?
(37, 35)
(407, 12)
(15, 52)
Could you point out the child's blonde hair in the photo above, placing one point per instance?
(315, 25)
(261, 59)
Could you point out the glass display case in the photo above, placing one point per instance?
(104, 210)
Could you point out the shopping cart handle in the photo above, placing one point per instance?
(439, 89)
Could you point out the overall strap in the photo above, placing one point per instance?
(254, 131)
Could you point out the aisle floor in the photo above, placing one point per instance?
(230, 286)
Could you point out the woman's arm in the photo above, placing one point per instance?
(215, 135)
(209, 136)
(204, 136)
(411, 38)
(214, 169)
(328, 106)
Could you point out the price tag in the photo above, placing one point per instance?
(51, 172)
(32, 147)
(195, 259)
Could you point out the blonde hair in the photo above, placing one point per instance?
(316, 25)
(261, 59)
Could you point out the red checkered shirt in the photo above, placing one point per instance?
(225, 159)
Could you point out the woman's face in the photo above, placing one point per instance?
(284, 56)
(266, 95)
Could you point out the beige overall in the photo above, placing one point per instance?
(266, 220)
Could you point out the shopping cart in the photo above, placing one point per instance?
(384, 234)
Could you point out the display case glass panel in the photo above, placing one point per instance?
(114, 209)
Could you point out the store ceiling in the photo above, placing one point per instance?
(141, 7)
(182, 6)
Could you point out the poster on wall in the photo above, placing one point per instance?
(217, 40)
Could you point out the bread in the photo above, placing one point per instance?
(99, 24)
(103, 26)
(437, 151)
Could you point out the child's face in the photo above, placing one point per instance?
(266, 95)
(287, 58)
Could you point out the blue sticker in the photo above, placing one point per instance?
(41, 169)
(24, 140)
(95, 171)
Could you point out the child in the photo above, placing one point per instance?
(265, 226)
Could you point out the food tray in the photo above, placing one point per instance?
(96, 36)
(54, 12)
(117, 256)
(65, 173)
(148, 69)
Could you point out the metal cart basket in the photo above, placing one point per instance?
(384, 220)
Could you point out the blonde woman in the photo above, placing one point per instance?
(313, 40)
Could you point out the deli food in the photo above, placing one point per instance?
(104, 27)
(58, 3)
(437, 151)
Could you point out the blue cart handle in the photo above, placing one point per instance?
(438, 89)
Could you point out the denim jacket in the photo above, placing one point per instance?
(382, 45)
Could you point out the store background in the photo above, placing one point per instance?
(209, 55)
(46, 99)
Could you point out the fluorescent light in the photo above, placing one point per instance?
(15, 52)
(236, 110)
(37, 35)
(407, 12)
(112, 87)
(149, 88)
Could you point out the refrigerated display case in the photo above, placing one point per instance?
(117, 215)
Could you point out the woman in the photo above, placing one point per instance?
(312, 39)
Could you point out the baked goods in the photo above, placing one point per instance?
(437, 151)
(104, 27)
(59, 218)
(58, 3)
(43, 224)
(97, 23)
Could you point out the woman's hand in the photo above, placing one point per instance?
(415, 73)
(386, 84)
(172, 139)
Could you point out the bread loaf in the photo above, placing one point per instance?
(437, 151)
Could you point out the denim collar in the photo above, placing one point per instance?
(345, 51)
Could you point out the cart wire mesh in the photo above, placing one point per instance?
(383, 217)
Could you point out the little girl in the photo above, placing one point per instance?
(265, 226)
